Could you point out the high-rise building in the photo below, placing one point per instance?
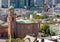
(4, 3)
(39, 3)
(35, 2)
(14, 3)
(21, 3)
(32, 3)
(51, 2)
(0, 3)
(29, 3)
(57, 1)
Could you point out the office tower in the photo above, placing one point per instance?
(32, 3)
(0, 3)
(28, 3)
(39, 3)
(57, 1)
(4, 3)
(35, 4)
(18, 3)
(13, 3)
(51, 3)
(21, 3)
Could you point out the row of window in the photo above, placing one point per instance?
(21, 3)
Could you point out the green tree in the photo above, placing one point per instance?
(19, 40)
(15, 40)
(50, 18)
(7, 40)
(38, 17)
(53, 33)
(58, 16)
(28, 17)
(12, 40)
(45, 28)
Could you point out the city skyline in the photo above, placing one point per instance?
(21, 3)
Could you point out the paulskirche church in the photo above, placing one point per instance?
(17, 28)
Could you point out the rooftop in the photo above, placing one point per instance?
(24, 21)
(19, 21)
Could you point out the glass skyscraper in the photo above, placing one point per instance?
(39, 3)
(51, 3)
(4, 3)
(28, 3)
(0, 3)
(57, 1)
(14, 3)
(21, 3)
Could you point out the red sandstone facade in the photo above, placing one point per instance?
(18, 30)
(3, 32)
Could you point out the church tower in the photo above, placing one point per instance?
(11, 23)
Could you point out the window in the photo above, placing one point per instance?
(12, 18)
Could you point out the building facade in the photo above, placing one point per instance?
(57, 1)
(0, 3)
(29, 3)
(16, 3)
(40, 3)
(21, 3)
(4, 3)
(51, 3)
(18, 28)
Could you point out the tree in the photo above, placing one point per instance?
(45, 28)
(28, 17)
(53, 33)
(15, 40)
(12, 40)
(38, 17)
(50, 19)
(19, 40)
(58, 16)
(7, 40)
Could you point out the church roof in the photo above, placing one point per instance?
(23, 21)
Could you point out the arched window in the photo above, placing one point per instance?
(12, 18)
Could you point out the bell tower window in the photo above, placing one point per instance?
(12, 18)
